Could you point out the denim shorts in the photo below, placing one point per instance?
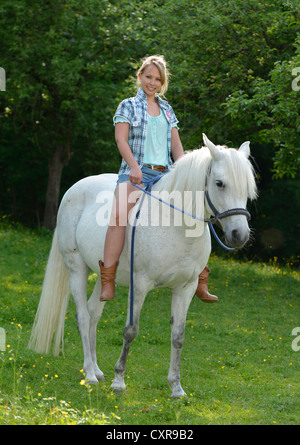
(148, 174)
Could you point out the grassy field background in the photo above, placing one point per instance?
(238, 364)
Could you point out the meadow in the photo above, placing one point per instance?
(240, 359)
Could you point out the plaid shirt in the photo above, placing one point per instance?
(134, 110)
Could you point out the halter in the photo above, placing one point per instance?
(217, 215)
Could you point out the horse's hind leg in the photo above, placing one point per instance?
(129, 334)
(95, 308)
(180, 303)
(78, 272)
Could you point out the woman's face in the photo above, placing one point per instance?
(150, 80)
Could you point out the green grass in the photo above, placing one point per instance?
(237, 367)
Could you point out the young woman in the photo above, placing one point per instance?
(147, 137)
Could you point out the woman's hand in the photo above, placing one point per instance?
(136, 175)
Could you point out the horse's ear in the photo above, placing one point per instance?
(245, 149)
(214, 150)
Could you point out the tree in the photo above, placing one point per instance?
(68, 65)
(273, 109)
(220, 51)
(62, 83)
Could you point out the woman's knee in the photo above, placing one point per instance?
(119, 216)
(124, 200)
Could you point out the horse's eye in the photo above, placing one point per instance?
(220, 183)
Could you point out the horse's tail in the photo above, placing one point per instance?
(50, 316)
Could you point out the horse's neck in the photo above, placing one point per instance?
(182, 189)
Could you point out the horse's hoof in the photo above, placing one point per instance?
(92, 381)
(178, 394)
(117, 388)
(100, 376)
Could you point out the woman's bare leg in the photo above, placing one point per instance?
(125, 198)
(114, 241)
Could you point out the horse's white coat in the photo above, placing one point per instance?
(168, 255)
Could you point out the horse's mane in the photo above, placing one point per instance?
(241, 172)
(189, 172)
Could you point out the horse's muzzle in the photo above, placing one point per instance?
(237, 238)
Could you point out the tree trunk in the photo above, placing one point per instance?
(55, 169)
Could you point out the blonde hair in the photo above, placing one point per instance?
(161, 65)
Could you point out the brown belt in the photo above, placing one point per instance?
(158, 168)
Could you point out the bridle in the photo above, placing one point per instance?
(217, 215)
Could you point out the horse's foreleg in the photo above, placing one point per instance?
(129, 334)
(180, 304)
(95, 308)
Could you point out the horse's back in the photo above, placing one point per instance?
(87, 189)
(83, 217)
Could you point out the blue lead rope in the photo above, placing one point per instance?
(229, 249)
(147, 190)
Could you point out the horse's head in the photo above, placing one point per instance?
(230, 182)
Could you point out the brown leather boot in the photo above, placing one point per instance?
(108, 275)
(202, 289)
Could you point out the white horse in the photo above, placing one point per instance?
(168, 252)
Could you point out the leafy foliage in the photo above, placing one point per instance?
(68, 65)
